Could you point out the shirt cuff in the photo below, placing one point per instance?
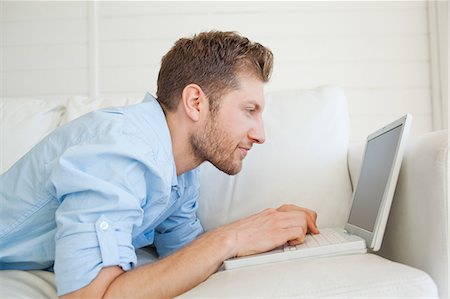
(105, 244)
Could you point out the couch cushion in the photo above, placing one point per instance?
(303, 161)
(36, 284)
(40, 284)
(369, 276)
(24, 122)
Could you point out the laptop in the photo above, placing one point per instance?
(371, 203)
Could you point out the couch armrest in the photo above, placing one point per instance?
(417, 233)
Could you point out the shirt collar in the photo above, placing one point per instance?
(164, 133)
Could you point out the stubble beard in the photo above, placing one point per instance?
(213, 144)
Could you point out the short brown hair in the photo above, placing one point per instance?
(212, 60)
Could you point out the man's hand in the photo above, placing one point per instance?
(271, 228)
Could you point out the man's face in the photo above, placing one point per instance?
(229, 133)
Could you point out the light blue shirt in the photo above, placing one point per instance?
(92, 192)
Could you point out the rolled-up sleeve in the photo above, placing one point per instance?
(183, 226)
(99, 205)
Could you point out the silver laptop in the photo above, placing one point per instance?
(371, 203)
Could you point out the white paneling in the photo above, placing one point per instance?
(133, 53)
(383, 100)
(45, 82)
(378, 51)
(93, 53)
(45, 32)
(267, 24)
(129, 79)
(44, 48)
(320, 49)
(130, 8)
(361, 74)
(363, 125)
(373, 49)
(349, 48)
(45, 57)
(370, 109)
(19, 11)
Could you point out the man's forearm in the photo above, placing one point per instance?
(176, 273)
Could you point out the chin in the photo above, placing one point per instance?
(233, 171)
(230, 169)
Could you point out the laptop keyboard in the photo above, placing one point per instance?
(326, 237)
(330, 242)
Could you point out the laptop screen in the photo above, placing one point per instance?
(373, 179)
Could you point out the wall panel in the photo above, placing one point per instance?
(35, 83)
(25, 11)
(44, 48)
(268, 24)
(45, 57)
(378, 51)
(45, 32)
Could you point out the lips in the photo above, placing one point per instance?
(244, 150)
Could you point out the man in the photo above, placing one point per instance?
(123, 178)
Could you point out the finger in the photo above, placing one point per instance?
(291, 207)
(294, 219)
(311, 221)
(297, 218)
(295, 236)
(312, 214)
(286, 208)
(296, 242)
(312, 227)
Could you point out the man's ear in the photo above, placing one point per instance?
(193, 100)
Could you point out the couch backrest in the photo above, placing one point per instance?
(303, 161)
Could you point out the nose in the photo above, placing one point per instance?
(257, 133)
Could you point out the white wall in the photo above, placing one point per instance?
(378, 51)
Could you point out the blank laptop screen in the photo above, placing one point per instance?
(377, 165)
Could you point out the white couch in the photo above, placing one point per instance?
(307, 160)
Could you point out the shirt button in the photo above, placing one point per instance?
(104, 225)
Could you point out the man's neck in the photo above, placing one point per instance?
(181, 147)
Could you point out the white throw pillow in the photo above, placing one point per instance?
(80, 105)
(24, 122)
